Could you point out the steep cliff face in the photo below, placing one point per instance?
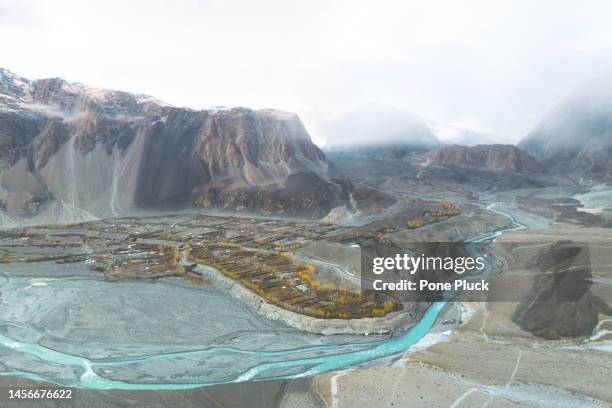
(489, 157)
(109, 153)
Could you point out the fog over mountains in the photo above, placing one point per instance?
(374, 124)
(575, 138)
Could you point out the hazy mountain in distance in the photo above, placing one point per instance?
(377, 130)
(466, 137)
(575, 138)
(495, 157)
(66, 148)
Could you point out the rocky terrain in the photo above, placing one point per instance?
(444, 169)
(95, 153)
(560, 303)
(465, 137)
(490, 157)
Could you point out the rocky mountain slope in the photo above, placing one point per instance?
(575, 139)
(490, 168)
(70, 150)
(490, 157)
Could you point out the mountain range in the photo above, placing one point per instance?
(74, 152)
(67, 147)
(495, 157)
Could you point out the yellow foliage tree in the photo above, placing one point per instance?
(377, 312)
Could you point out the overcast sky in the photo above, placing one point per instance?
(489, 66)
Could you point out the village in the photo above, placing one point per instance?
(257, 253)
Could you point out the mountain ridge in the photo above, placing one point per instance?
(109, 152)
(498, 157)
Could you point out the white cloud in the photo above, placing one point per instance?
(503, 63)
